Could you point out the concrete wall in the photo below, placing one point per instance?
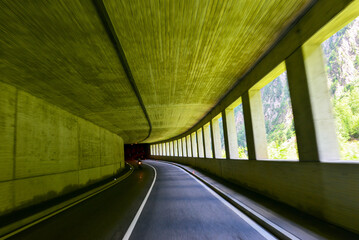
(325, 190)
(46, 151)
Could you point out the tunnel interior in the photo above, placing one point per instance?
(254, 93)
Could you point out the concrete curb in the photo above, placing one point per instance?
(23, 224)
(258, 218)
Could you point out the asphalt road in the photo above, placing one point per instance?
(104, 216)
(178, 207)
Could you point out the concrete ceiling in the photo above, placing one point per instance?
(183, 56)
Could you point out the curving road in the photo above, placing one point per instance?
(176, 207)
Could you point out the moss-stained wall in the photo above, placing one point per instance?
(46, 151)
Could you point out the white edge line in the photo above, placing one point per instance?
(135, 219)
(253, 224)
(70, 205)
(257, 215)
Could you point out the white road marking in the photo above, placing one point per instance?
(108, 185)
(253, 224)
(135, 219)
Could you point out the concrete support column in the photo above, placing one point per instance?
(200, 143)
(164, 152)
(207, 141)
(230, 134)
(194, 144)
(175, 147)
(189, 146)
(184, 148)
(171, 149)
(307, 80)
(302, 108)
(192, 150)
(254, 125)
(168, 149)
(323, 116)
(216, 138)
(179, 145)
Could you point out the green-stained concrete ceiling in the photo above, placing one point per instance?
(183, 55)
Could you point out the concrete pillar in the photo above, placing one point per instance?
(230, 134)
(194, 145)
(312, 110)
(175, 148)
(254, 125)
(180, 154)
(324, 122)
(171, 149)
(302, 108)
(207, 141)
(200, 143)
(167, 149)
(216, 138)
(189, 146)
(184, 147)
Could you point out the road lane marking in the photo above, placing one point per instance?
(275, 229)
(250, 222)
(137, 216)
(104, 187)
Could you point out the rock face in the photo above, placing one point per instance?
(341, 52)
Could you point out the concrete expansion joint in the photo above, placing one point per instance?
(258, 218)
(23, 224)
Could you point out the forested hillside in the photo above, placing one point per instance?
(342, 56)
